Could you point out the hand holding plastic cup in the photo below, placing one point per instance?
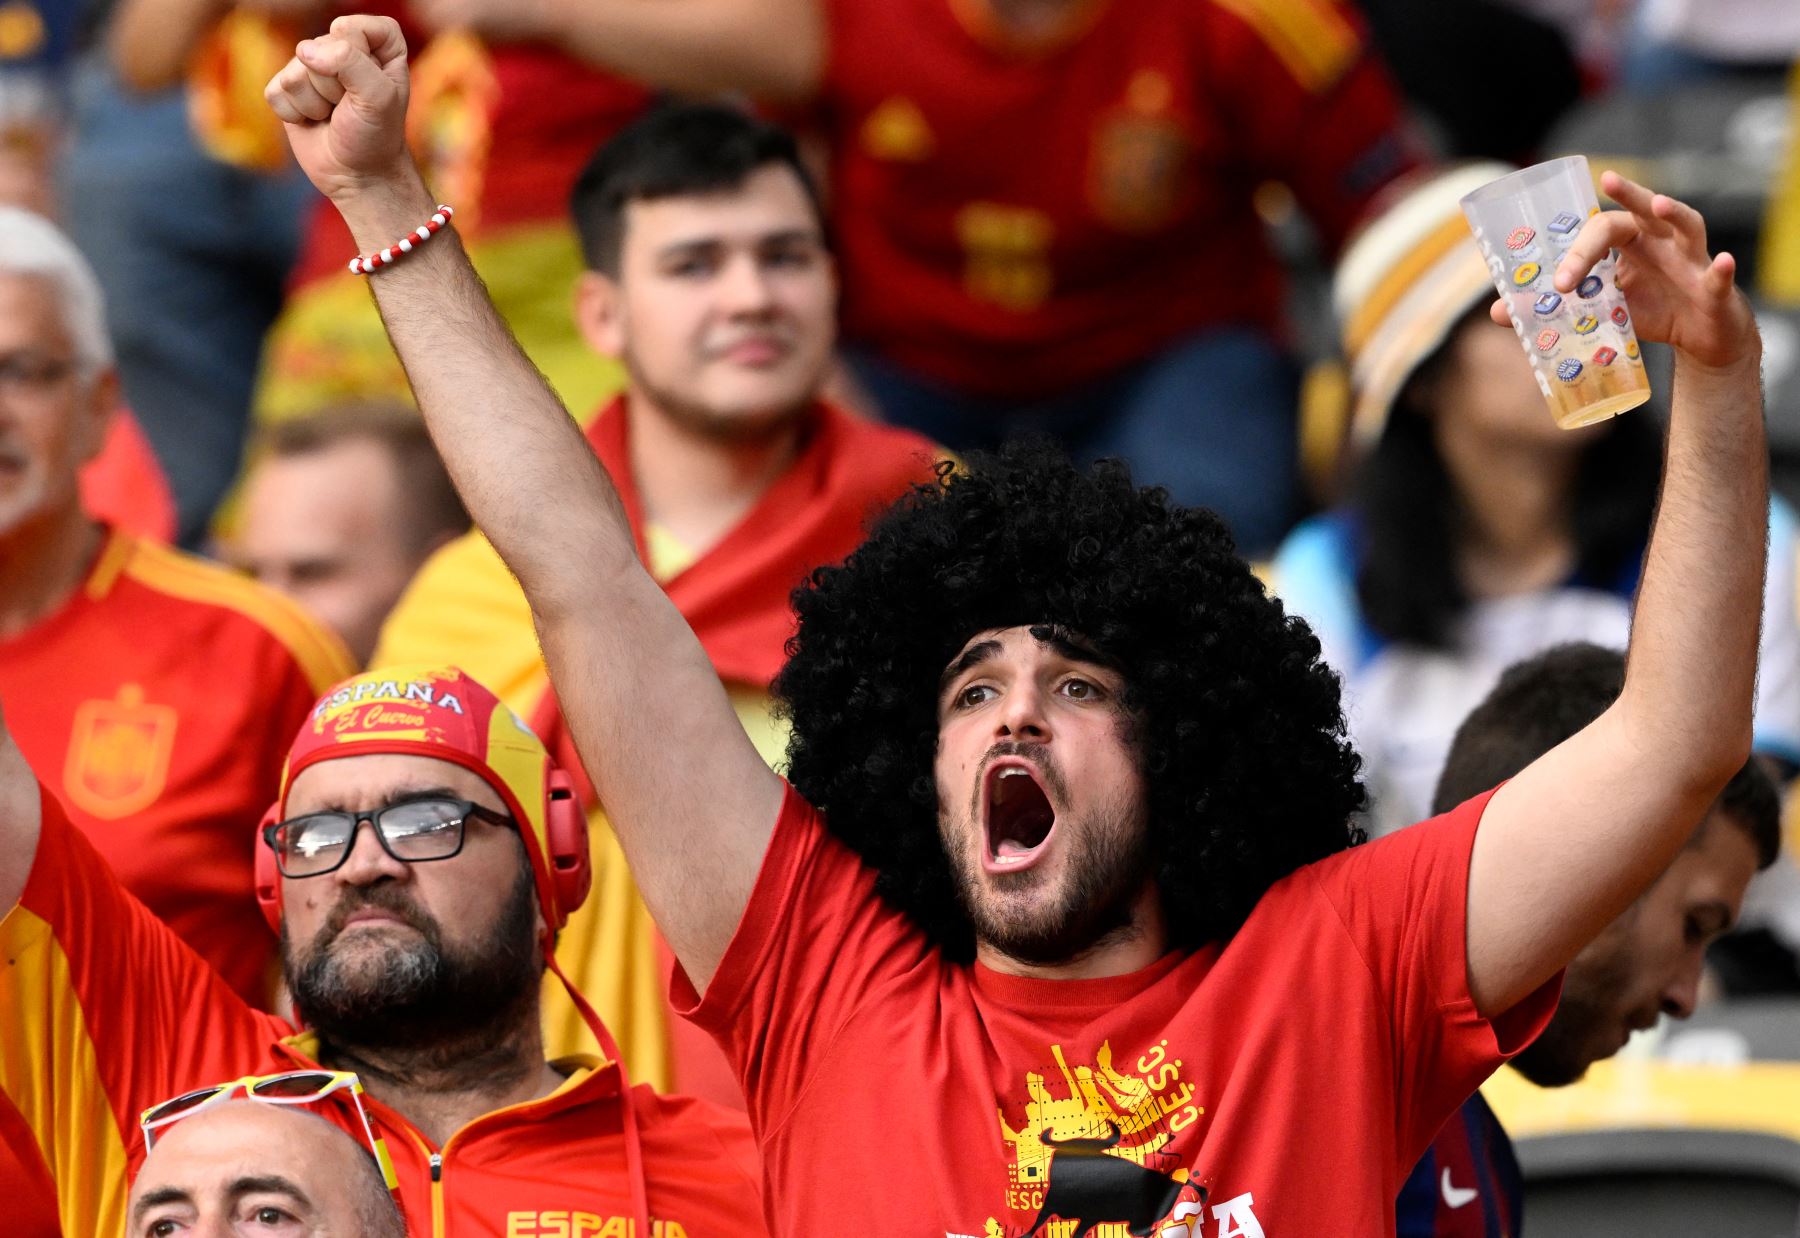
(1580, 344)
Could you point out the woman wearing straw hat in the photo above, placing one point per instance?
(1476, 532)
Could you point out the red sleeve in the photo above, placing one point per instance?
(107, 1012)
(814, 940)
(1314, 106)
(1404, 902)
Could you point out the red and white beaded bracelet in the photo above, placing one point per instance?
(392, 254)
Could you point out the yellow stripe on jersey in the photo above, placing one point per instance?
(113, 557)
(1778, 264)
(50, 1072)
(1311, 37)
(321, 655)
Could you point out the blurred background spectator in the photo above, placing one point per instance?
(162, 690)
(1475, 532)
(1047, 209)
(36, 43)
(192, 239)
(340, 509)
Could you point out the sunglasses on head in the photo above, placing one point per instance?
(412, 831)
(293, 1087)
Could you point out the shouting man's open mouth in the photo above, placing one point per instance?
(1016, 812)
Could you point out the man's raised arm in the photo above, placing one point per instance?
(21, 818)
(1566, 846)
(691, 801)
(771, 49)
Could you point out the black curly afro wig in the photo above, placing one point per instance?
(1239, 727)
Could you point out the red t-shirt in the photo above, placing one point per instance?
(1016, 220)
(158, 704)
(1281, 1084)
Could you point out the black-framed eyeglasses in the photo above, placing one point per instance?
(412, 831)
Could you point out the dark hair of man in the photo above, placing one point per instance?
(1542, 701)
(1409, 582)
(1237, 723)
(433, 509)
(676, 150)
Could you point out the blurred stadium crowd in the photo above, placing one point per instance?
(1219, 239)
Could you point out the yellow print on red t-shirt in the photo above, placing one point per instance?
(1091, 1156)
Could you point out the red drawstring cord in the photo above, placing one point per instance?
(634, 1145)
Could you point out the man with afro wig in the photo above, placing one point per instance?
(1057, 925)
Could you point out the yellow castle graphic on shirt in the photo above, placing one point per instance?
(1106, 1122)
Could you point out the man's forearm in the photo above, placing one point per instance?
(1691, 672)
(769, 50)
(526, 475)
(150, 41)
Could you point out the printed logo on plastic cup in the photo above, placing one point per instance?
(1547, 338)
(1568, 369)
(1587, 324)
(1619, 316)
(1520, 237)
(1604, 356)
(1525, 274)
(1547, 304)
(1590, 288)
(1565, 224)
(1631, 350)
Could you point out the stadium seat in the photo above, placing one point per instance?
(1661, 1184)
(1645, 1147)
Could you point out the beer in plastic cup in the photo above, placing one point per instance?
(1580, 343)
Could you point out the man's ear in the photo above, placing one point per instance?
(95, 415)
(600, 313)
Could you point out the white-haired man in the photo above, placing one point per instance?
(162, 690)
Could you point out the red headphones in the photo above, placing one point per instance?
(569, 870)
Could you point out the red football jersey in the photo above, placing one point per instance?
(1281, 1083)
(1014, 220)
(158, 704)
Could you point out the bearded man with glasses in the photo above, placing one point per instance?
(422, 854)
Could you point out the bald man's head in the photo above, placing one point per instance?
(273, 1170)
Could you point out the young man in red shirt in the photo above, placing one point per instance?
(1645, 964)
(1058, 924)
(1047, 209)
(415, 951)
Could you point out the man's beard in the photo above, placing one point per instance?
(1105, 872)
(1579, 1032)
(707, 422)
(418, 995)
(1563, 1053)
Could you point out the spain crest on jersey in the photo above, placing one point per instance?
(1138, 175)
(119, 751)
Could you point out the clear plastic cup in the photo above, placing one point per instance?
(1580, 343)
